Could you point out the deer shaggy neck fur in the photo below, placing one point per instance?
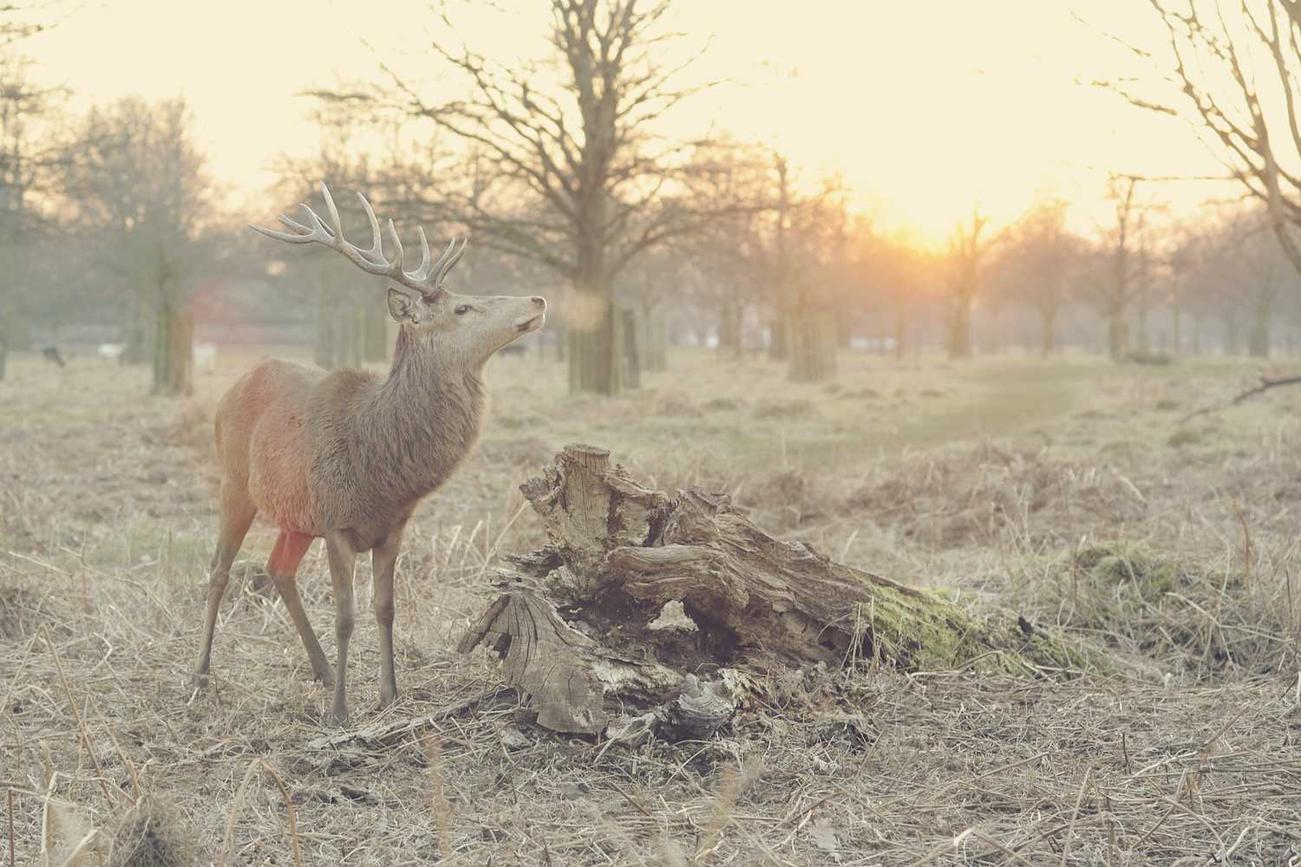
(350, 450)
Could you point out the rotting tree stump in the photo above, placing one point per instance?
(669, 604)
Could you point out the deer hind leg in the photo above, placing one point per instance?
(283, 568)
(237, 513)
(343, 561)
(383, 560)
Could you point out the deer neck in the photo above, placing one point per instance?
(427, 412)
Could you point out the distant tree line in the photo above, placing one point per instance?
(558, 172)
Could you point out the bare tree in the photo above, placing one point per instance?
(965, 257)
(137, 184)
(1118, 285)
(572, 177)
(1037, 265)
(1237, 68)
(1241, 274)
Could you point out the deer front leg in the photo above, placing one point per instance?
(383, 561)
(343, 559)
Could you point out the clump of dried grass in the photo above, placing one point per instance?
(985, 493)
(150, 834)
(783, 499)
(1193, 621)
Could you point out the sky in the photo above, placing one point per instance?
(926, 110)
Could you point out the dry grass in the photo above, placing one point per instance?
(1066, 491)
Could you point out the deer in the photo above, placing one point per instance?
(346, 456)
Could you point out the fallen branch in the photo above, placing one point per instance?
(1264, 385)
(380, 735)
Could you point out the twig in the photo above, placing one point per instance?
(239, 800)
(1264, 385)
(81, 723)
(376, 736)
(9, 796)
(1075, 814)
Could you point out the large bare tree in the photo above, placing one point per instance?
(1037, 264)
(1118, 286)
(966, 254)
(571, 176)
(30, 157)
(1236, 67)
(138, 185)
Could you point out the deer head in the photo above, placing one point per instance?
(469, 328)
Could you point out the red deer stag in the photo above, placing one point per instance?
(346, 456)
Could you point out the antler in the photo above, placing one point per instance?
(427, 279)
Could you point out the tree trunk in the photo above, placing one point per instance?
(958, 344)
(1047, 331)
(652, 339)
(174, 353)
(658, 591)
(729, 328)
(341, 332)
(813, 346)
(632, 355)
(595, 352)
(1117, 335)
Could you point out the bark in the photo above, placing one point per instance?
(661, 606)
(958, 342)
(1047, 331)
(729, 329)
(652, 339)
(594, 336)
(174, 353)
(813, 347)
(1117, 335)
(632, 354)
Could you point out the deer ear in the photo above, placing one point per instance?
(401, 307)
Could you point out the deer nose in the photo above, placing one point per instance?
(538, 301)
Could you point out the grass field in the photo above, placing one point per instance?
(1069, 491)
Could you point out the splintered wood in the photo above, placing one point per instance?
(582, 624)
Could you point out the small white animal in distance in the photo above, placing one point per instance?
(205, 357)
(111, 351)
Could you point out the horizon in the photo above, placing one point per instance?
(998, 122)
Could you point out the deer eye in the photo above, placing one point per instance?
(462, 309)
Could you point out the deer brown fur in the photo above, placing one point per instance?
(346, 456)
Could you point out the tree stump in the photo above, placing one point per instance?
(671, 604)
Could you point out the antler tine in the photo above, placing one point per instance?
(422, 273)
(455, 249)
(395, 267)
(376, 242)
(333, 212)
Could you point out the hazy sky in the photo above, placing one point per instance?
(926, 109)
